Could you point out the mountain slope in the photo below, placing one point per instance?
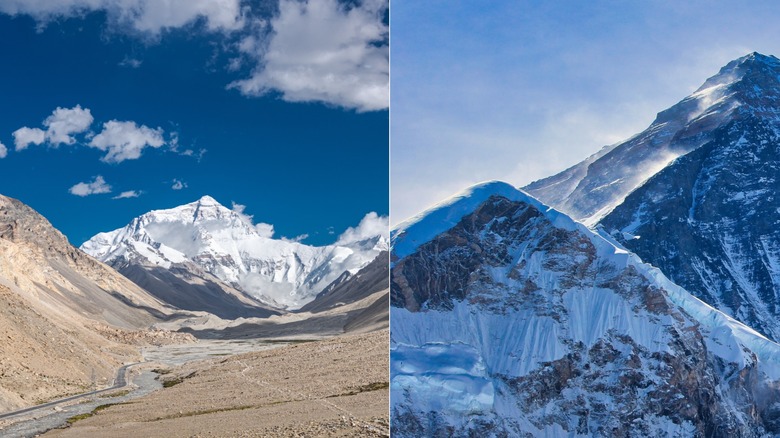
(62, 313)
(352, 288)
(205, 236)
(710, 222)
(591, 189)
(709, 218)
(509, 318)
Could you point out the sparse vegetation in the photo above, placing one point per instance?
(204, 412)
(115, 394)
(106, 406)
(86, 415)
(172, 382)
(376, 386)
(78, 417)
(289, 341)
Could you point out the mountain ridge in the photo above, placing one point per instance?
(589, 190)
(707, 217)
(205, 235)
(601, 343)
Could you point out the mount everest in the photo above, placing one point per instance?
(643, 302)
(207, 240)
(695, 193)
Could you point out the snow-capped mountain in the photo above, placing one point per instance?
(592, 188)
(205, 236)
(709, 218)
(508, 318)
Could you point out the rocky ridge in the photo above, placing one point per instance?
(509, 318)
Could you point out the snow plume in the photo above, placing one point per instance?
(125, 140)
(263, 229)
(60, 126)
(145, 16)
(322, 51)
(97, 186)
(372, 225)
(296, 239)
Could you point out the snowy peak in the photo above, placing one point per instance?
(744, 88)
(204, 209)
(753, 67)
(407, 236)
(515, 317)
(415, 231)
(205, 235)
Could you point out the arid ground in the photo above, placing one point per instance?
(336, 387)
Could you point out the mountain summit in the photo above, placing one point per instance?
(746, 87)
(511, 319)
(696, 193)
(205, 238)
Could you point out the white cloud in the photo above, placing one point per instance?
(147, 16)
(64, 122)
(130, 62)
(60, 126)
(296, 239)
(128, 194)
(322, 51)
(97, 186)
(312, 51)
(3, 151)
(263, 229)
(125, 140)
(178, 184)
(24, 137)
(372, 225)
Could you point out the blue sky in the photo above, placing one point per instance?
(520, 90)
(259, 103)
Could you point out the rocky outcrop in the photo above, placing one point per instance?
(517, 321)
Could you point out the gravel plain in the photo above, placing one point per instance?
(333, 388)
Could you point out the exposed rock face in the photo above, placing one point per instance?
(709, 218)
(353, 287)
(710, 222)
(517, 321)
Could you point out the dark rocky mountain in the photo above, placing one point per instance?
(709, 219)
(711, 222)
(589, 190)
(510, 319)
